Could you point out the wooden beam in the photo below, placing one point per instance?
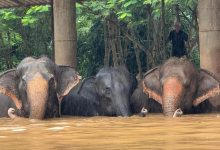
(18, 2)
(27, 3)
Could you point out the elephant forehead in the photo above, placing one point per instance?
(27, 60)
(181, 67)
(105, 78)
(174, 69)
(33, 68)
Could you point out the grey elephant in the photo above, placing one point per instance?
(36, 87)
(176, 84)
(106, 94)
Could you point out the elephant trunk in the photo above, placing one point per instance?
(172, 92)
(122, 106)
(37, 93)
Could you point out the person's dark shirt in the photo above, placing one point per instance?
(178, 43)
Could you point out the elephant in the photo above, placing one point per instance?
(82, 100)
(178, 84)
(36, 87)
(106, 94)
(140, 100)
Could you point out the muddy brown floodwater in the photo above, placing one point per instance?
(194, 132)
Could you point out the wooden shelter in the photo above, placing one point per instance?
(64, 17)
(22, 3)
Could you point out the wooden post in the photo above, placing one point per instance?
(65, 32)
(209, 39)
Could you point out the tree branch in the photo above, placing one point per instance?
(130, 37)
(187, 19)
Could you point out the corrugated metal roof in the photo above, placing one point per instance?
(22, 3)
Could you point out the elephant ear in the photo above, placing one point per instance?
(208, 87)
(8, 86)
(67, 78)
(151, 85)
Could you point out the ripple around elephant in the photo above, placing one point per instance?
(35, 88)
(178, 84)
(105, 94)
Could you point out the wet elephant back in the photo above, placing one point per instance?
(82, 100)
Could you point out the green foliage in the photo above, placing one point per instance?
(30, 18)
(31, 33)
(91, 50)
(8, 15)
(133, 15)
(25, 32)
(195, 57)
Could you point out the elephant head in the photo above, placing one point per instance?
(177, 84)
(36, 85)
(113, 86)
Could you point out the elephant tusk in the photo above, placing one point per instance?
(143, 112)
(11, 113)
(178, 113)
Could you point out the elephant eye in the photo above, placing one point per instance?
(186, 83)
(24, 83)
(17, 72)
(107, 90)
(52, 81)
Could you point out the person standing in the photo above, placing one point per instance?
(178, 39)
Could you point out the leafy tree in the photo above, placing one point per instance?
(109, 32)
